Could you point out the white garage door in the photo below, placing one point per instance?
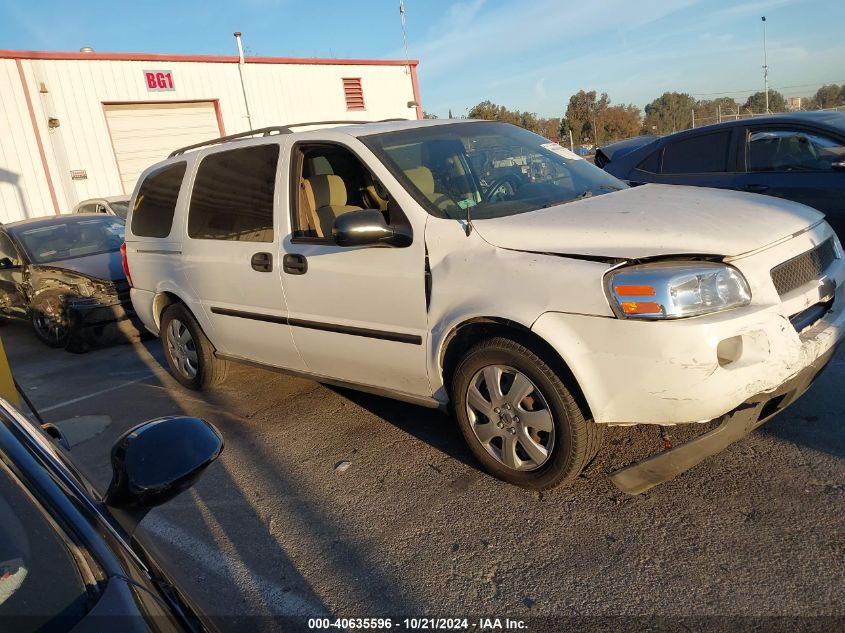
(145, 133)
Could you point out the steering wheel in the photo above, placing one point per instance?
(508, 179)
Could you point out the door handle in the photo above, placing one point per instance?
(295, 264)
(262, 262)
(754, 188)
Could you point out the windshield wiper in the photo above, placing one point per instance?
(589, 193)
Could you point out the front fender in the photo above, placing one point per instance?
(474, 280)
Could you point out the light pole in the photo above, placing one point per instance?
(765, 66)
(241, 62)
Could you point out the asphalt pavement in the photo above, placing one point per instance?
(335, 503)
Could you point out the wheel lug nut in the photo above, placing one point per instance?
(497, 410)
(511, 430)
(515, 419)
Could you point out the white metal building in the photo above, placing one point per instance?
(81, 125)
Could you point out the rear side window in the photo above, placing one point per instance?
(155, 205)
(703, 154)
(233, 195)
(650, 164)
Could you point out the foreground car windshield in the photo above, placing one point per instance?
(71, 238)
(40, 585)
(488, 170)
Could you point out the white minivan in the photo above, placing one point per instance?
(476, 265)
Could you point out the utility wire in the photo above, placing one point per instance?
(404, 36)
(712, 94)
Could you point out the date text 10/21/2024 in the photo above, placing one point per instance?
(419, 624)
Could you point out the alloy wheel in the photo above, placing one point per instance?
(510, 417)
(50, 321)
(182, 349)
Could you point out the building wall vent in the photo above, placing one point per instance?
(354, 93)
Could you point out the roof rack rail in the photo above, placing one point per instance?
(231, 137)
(266, 131)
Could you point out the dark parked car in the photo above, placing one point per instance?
(68, 559)
(64, 274)
(798, 156)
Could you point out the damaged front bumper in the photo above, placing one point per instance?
(687, 370)
(96, 321)
(647, 473)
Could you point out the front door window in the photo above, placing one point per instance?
(793, 150)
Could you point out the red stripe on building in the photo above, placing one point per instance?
(416, 84)
(211, 59)
(38, 137)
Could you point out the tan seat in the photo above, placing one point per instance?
(308, 220)
(329, 194)
(423, 180)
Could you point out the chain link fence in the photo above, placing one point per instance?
(700, 121)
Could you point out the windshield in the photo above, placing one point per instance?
(40, 585)
(488, 170)
(120, 208)
(71, 238)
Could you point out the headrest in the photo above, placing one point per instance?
(422, 179)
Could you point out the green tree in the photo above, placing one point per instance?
(489, 111)
(429, 115)
(756, 103)
(670, 112)
(830, 96)
(707, 111)
(583, 113)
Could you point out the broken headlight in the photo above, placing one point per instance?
(672, 290)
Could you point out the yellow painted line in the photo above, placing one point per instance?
(7, 383)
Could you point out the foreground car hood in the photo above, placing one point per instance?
(653, 220)
(103, 266)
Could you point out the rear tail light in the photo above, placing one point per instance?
(125, 264)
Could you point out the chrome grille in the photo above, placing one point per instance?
(803, 268)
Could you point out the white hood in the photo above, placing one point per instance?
(653, 220)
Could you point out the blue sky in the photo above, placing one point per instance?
(526, 54)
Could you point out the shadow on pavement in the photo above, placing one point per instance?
(428, 425)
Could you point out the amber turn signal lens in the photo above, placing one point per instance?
(638, 307)
(635, 291)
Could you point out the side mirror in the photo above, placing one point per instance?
(368, 228)
(155, 461)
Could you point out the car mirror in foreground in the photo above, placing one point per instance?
(155, 461)
(367, 228)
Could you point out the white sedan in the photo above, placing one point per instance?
(110, 205)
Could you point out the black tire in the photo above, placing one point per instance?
(49, 319)
(210, 370)
(575, 440)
